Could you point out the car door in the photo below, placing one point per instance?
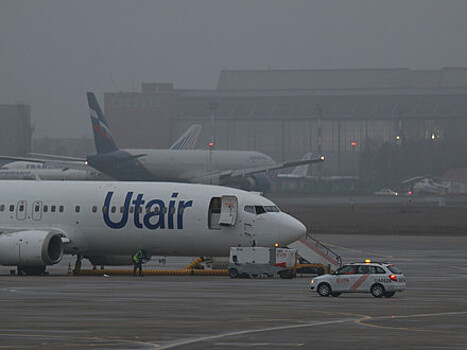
(342, 279)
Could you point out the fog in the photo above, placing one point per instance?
(54, 51)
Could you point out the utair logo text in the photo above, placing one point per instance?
(156, 214)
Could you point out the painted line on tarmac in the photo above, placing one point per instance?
(363, 322)
(251, 331)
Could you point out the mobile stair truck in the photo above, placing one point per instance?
(246, 262)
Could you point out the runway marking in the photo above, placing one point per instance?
(369, 318)
(359, 319)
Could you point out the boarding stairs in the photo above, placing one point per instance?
(314, 252)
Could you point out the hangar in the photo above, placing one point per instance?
(286, 113)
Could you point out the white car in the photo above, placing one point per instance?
(379, 279)
(386, 192)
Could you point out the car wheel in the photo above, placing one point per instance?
(377, 290)
(324, 289)
(233, 273)
(389, 294)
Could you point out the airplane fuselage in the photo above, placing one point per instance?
(118, 218)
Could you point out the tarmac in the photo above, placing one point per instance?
(199, 312)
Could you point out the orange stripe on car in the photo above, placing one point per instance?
(359, 282)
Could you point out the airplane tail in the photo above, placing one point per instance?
(189, 139)
(302, 170)
(103, 138)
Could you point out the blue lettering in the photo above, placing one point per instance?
(181, 210)
(155, 212)
(124, 218)
(138, 202)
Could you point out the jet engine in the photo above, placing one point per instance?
(30, 250)
(259, 182)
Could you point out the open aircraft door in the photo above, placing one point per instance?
(229, 211)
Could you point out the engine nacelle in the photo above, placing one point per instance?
(30, 248)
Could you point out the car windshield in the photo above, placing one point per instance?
(394, 269)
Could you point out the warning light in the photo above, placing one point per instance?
(367, 261)
(276, 244)
(393, 277)
(353, 143)
(211, 144)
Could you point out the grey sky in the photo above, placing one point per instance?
(52, 52)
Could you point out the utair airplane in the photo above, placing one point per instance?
(241, 169)
(42, 220)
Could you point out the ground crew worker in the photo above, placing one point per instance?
(138, 262)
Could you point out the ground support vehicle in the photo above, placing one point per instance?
(378, 278)
(246, 262)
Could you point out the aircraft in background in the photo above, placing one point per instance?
(242, 169)
(427, 184)
(42, 220)
(49, 167)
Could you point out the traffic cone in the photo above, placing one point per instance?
(69, 269)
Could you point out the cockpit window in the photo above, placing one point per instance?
(259, 209)
(249, 209)
(271, 208)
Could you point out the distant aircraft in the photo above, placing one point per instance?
(299, 172)
(42, 220)
(243, 169)
(427, 184)
(49, 167)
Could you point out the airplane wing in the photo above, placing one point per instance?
(189, 139)
(41, 160)
(263, 169)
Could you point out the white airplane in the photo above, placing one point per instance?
(242, 169)
(49, 167)
(427, 184)
(42, 220)
(22, 170)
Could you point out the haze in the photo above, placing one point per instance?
(54, 51)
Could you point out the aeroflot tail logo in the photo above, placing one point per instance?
(156, 214)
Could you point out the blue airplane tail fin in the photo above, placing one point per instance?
(103, 138)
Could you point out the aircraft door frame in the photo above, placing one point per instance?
(21, 210)
(36, 214)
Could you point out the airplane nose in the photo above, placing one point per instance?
(294, 229)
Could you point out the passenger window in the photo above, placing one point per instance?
(172, 210)
(52, 208)
(122, 209)
(60, 209)
(104, 209)
(113, 209)
(12, 207)
(77, 208)
(94, 209)
(2, 207)
(363, 270)
(46, 208)
(132, 210)
(36, 208)
(21, 207)
(376, 270)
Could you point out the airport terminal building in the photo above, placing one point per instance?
(286, 113)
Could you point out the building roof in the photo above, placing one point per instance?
(343, 79)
